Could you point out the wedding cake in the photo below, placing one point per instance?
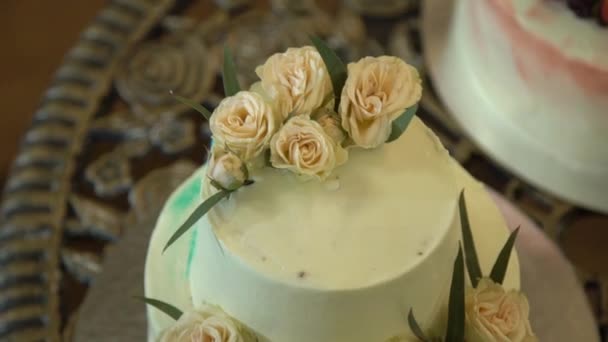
(541, 52)
(315, 220)
(536, 71)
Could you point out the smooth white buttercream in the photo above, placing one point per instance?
(303, 261)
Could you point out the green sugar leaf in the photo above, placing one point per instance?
(502, 261)
(198, 107)
(166, 308)
(400, 124)
(231, 83)
(335, 67)
(199, 212)
(469, 245)
(327, 99)
(215, 184)
(456, 313)
(415, 327)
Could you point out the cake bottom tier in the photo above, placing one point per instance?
(167, 276)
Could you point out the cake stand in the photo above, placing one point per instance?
(454, 76)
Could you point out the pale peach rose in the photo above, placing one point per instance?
(377, 91)
(208, 324)
(296, 80)
(276, 105)
(303, 147)
(228, 170)
(243, 124)
(330, 122)
(496, 315)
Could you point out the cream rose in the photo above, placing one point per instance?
(208, 324)
(331, 124)
(496, 315)
(226, 169)
(376, 92)
(303, 147)
(296, 80)
(243, 124)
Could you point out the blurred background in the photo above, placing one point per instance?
(36, 36)
(61, 209)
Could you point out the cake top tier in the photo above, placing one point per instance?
(319, 189)
(376, 218)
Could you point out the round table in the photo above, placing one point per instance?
(108, 144)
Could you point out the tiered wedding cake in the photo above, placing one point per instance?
(322, 231)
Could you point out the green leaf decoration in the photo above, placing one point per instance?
(231, 83)
(199, 108)
(502, 261)
(456, 313)
(166, 308)
(400, 124)
(215, 184)
(415, 327)
(469, 245)
(199, 212)
(335, 67)
(327, 99)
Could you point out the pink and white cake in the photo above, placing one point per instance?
(538, 74)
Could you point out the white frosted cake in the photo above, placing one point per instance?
(340, 261)
(536, 80)
(547, 68)
(318, 256)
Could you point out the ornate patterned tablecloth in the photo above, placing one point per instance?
(108, 143)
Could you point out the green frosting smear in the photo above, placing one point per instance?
(182, 203)
(191, 252)
(186, 198)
